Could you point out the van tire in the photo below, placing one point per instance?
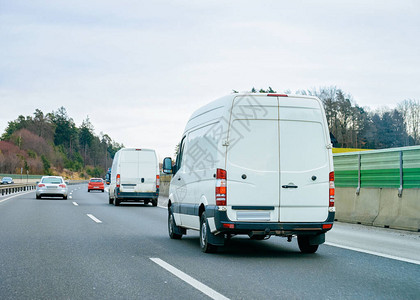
(172, 227)
(110, 200)
(304, 246)
(117, 201)
(154, 202)
(205, 246)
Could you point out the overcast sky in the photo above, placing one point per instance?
(139, 69)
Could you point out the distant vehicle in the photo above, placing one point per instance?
(108, 177)
(134, 177)
(7, 180)
(254, 164)
(51, 186)
(96, 184)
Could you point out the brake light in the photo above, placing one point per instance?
(41, 185)
(221, 187)
(228, 225)
(62, 186)
(277, 95)
(332, 190)
(157, 181)
(118, 180)
(326, 226)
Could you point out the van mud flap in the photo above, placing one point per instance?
(216, 240)
(317, 239)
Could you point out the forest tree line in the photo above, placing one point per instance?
(49, 143)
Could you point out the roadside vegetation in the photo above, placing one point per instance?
(52, 144)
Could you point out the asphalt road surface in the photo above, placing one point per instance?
(84, 248)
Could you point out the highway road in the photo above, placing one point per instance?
(84, 248)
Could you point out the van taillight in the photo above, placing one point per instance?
(118, 180)
(157, 181)
(332, 190)
(221, 187)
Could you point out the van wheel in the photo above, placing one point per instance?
(154, 202)
(110, 200)
(204, 236)
(65, 197)
(172, 227)
(38, 197)
(146, 202)
(304, 246)
(117, 201)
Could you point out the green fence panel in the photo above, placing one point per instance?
(346, 170)
(23, 176)
(379, 168)
(346, 178)
(382, 178)
(411, 173)
(411, 178)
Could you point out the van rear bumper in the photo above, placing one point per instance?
(224, 225)
(135, 196)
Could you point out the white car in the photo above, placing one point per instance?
(254, 164)
(51, 186)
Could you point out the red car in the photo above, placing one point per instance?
(96, 184)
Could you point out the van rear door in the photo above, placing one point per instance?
(304, 161)
(138, 171)
(252, 160)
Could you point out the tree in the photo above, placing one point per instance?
(86, 135)
(65, 129)
(410, 112)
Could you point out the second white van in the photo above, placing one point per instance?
(254, 164)
(134, 177)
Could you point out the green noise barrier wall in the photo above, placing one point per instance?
(379, 187)
(386, 168)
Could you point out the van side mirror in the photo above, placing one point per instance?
(167, 165)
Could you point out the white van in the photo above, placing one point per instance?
(134, 176)
(254, 164)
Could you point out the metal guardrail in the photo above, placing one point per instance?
(15, 188)
(7, 189)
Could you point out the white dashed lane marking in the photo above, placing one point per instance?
(94, 218)
(188, 279)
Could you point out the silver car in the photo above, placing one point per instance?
(51, 186)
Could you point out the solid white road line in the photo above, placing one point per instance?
(188, 279)
(94, 218)
(375, 253)
(75, 204)
(19, 194)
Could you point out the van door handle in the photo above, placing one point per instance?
(289, 186)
